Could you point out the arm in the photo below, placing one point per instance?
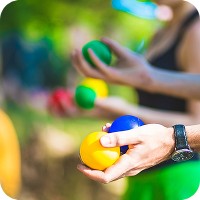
(133, 70)
(159, 81)
(178, 84)
(118, 106)
(148, 146)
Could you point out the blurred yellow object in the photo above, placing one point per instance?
(10, 159)
(99, 86)
(94, 155)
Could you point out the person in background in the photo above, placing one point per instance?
(172, 53)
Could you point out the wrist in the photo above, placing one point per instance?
(171, 142)
(155, 80)
(182, 151)
(148, 80)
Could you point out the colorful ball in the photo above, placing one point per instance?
(85, 97)
(124, 123)
(100, 49)
(99, 86)
(94, 155)
(87, 92)
(61, 102)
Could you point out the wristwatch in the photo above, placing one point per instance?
(182, 151)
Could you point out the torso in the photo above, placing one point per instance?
(164, 53)
(161, 42)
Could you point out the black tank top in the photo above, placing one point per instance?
(167, 60)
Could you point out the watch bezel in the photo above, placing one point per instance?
(182, 155)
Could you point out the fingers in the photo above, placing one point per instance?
(82, 66)
(101, 70)
(119, 169)
(95, 175)
(118, 50)
(75, 63)
(115, 172)
(129, 137)
(106, 127)
(102, 67)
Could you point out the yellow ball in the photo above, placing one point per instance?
(10, 159)
(94, 155)
(99, 86)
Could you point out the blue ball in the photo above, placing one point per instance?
(123, 123)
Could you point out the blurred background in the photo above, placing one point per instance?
(36, 39)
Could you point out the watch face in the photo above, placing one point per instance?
(182, 155)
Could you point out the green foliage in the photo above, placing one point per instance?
(55, 21)
(55, 18)
(127, 93)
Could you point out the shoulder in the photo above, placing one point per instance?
(190, 48)
(192, 35)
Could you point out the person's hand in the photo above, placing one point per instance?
(130, 69)
(148, 145)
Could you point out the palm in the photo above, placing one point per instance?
(129, 71)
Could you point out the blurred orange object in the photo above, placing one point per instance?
(10, 159)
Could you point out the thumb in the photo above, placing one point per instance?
(120, 138)
(115, 47)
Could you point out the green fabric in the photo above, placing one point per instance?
(177, 182)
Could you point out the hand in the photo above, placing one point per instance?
(148, 146)
(131, 69)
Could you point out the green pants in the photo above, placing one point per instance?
(176, 182)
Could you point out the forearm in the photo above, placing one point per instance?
(178, 84)
(193, 135)
(152, 115)
(166, 118)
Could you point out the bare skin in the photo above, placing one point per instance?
(148, 146)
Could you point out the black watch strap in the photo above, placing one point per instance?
(180, 137)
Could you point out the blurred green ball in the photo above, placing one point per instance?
(85, 97)
(102, 51)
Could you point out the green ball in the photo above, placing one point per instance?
(85, 97)
(100, 49)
